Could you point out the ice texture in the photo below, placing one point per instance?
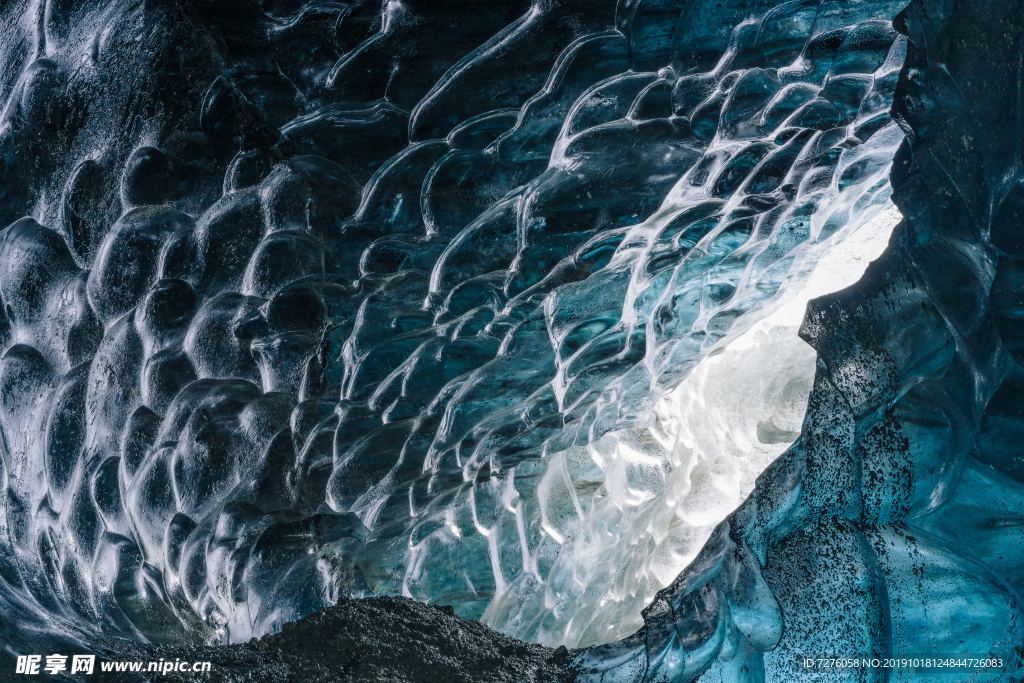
(301, 302)
(892, 528)
(698, 457)
(311, 299)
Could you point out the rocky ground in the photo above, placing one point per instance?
(383, 639)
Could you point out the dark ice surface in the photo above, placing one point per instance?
(290, 288)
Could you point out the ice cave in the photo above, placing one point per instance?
(677, 340)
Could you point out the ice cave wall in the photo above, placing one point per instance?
(893, 526)
(311, 301)
(301, 301)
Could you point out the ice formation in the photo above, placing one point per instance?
(378, 353)
(892, 527)
(311, 299)
(670, 480)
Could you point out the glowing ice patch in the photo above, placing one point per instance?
(668, 483)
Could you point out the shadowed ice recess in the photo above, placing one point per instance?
(326, 304)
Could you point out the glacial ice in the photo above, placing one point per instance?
(378, 354)
(891, 528)
(302, 300)
(670, 480)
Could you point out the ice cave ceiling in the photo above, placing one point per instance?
(501, 306)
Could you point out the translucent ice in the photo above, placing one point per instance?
(311, 299)
(891, 528)
(668, 481)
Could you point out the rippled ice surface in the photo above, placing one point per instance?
(672, 477)
(483, 320)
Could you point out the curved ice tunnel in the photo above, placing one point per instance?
(343, 310)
